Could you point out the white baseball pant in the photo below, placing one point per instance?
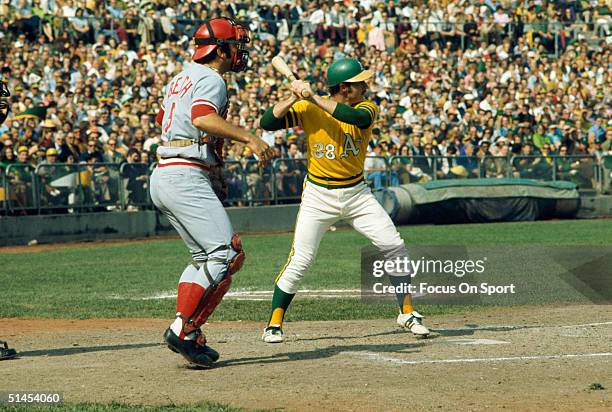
(321, 208)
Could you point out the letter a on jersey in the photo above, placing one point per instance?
(349, 146)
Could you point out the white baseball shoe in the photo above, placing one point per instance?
(273, 334)
(414, 322)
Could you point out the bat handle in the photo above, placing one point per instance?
(305, 94)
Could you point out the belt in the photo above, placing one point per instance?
(341, 186)
(337, 179)
(187, 142)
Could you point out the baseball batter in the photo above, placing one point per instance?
(192, 119)
(338, 130)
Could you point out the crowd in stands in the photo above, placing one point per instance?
(457, 78)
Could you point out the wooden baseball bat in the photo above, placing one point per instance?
(279, 64)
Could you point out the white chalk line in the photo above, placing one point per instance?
(388, 359)
(260, 295)
(477, 342)
(512, 327)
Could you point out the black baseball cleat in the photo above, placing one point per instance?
(200, 355)
(6, 352)
(200, 342)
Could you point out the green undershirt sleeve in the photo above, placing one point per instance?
(357, 117)
(271, 122)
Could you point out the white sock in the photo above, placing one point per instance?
(177, 328)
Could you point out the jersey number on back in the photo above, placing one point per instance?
(168, 123)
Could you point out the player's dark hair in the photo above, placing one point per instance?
(334, 89)
(212, 56)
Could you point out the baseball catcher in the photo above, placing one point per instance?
(192, 119)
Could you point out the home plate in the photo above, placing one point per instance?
(477, 342)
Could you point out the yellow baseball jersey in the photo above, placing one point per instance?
(336, 150)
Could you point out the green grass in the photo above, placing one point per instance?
(120, 407)
(107, 280)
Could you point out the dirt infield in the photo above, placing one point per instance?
(42, 247)
(513, 358)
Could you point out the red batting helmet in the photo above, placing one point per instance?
(216, 32)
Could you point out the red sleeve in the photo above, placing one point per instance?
(201, 110)
(159, 117)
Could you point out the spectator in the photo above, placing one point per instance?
(112, 155)
(55, 194)
(137, 180)
(375, 168)
(474, 72)
(292, 173)
(469, 161)
(430, 165)
(60, 147)
(91, 151)
(20, 180)
(8, 157)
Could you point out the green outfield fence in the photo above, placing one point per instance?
(98, 187)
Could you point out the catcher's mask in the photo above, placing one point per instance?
(216, 32)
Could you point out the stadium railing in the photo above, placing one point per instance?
(236, 183)
(134, 180)
(606, 174)
(289, 176)
(259, 183)
(20, 189)
(3, 198)
(583, 170)
(375, 177)
(410, 169)
(72, 188)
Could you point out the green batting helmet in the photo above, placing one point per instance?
(346, 71)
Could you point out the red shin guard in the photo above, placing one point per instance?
(195, 304)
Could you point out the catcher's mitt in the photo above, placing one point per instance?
(217, 181)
